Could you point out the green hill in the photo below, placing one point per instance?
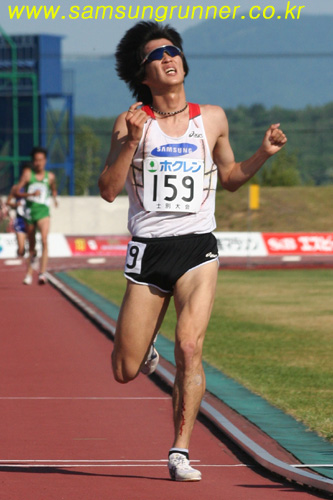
(282, 209)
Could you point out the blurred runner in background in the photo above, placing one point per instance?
(39, 185)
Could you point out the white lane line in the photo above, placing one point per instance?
(223, 465)
(84, 466)
(103, 463)
(96, 260)
(86, 461)
(13, 262)
(291, 258)
(143, 398)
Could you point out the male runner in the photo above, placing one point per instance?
(169, 153)
(39, 185)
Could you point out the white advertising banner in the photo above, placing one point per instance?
(58, 246)
(241, 244)
(8, 246)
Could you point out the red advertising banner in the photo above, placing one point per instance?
(106, 246)
(299, 243)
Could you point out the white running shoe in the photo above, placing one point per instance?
(34, 263)
(180, 469)
(27, 280)
(151, 362)
(42, 280)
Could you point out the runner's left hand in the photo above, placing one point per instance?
(274, 140)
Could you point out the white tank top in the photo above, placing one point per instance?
(171, 183)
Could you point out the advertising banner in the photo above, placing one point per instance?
(299, 243)
(8, 246)
(230, 244)
(240, 244)
(57, 243)
(104, 246)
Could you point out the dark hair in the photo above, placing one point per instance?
(24, 165)
(130, 52)
(38, 149)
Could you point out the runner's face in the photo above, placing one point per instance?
(169, 70)
(39, 162)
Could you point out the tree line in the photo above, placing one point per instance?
(307, 159)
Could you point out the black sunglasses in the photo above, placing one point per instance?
(158, 53)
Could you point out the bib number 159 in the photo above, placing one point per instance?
(173, 186)
(187, 182)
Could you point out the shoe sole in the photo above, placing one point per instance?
(186, 480)
(183, 480)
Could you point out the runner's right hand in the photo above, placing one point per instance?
(135, 120)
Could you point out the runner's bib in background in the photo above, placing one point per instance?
(173, 184)
(43, 196)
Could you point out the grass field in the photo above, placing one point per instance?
(282, 209)
(270, 330)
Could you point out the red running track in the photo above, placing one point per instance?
(68, 431)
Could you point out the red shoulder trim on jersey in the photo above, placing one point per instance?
(194, 110)
(149, 111)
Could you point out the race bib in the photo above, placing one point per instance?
(173, 185)
(42, 197)
(135, 251)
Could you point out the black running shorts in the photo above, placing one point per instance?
(160, 262)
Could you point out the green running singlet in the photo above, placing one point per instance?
(38, 206)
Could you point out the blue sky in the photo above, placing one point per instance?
(97, 37)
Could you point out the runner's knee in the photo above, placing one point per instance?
(122, 372)
(188, 354)
(123, 376)
(44, 241)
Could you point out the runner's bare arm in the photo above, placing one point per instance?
(126, 136)
(234, 174)
(53, 187)
(25, 178)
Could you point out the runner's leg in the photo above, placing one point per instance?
(140, 318)
(20, 237)
(194, 296)
(44, 227)
(31, 233)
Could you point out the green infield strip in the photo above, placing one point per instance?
(304, 444)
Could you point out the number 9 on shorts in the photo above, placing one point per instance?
(135, 251)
